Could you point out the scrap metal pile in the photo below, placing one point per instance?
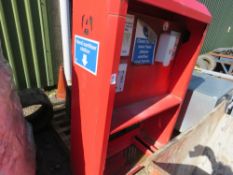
(224, 51)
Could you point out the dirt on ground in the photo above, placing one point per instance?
(52, 157)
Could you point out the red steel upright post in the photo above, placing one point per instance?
(132, 63)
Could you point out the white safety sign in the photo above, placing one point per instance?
(126, 44)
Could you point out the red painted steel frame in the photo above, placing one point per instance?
(152, 94)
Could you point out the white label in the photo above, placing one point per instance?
(126, 44)
(113, 79)
(121, 77)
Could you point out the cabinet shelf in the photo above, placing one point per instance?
(132, 114)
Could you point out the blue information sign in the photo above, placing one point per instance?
(143, 51)
(86, 54)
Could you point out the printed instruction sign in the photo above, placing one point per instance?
(86, 54)
(144, 44)
(126, 44)
(121, 77)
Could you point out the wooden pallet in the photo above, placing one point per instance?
(61, 124)
(220, 55)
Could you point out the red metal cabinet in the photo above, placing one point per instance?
(112, 130)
